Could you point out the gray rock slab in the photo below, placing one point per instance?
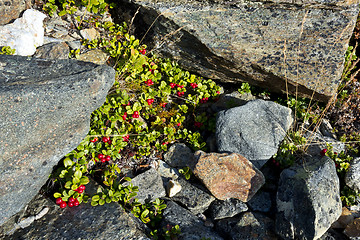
(45, 108)
(254, 130)
(249, 226)
(294, 46)
(178, 155)
(106, 222)
(193, 198)
(308, 199)
(227, 208)
(192, 227)
(150, 186)
(352, 176)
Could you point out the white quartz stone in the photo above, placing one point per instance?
(25, 33)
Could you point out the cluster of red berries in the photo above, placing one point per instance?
(218, 92)
(94, 140)
(106, 140)
(204, 100)
(275, 162)
(172, 85)
(198, 124)
(142, 51)
(136, 114)
(126, 138)
(165, 143)
(124, 116)
(163, 104)
(151, 70)
(149, 82)
(150, 101)
(193, 85)
(71, 202)
(323, 152)
(180, 94)
(103, 158)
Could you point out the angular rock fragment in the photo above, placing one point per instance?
(192, 228)
(308, 199)
(45, 108)
(178, 155)
(352, 177)
(192, 197)
(249, 226)
(283, 45)
(254, 130)
(150, 186)
(227, 175)
(226, 209)
(352, 231)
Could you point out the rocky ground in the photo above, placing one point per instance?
(300, 202)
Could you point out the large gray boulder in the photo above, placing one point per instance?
(254, 130)
(308, 199)
(45, 108)
(283, 45)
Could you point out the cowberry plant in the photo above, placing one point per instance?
(153, 103)
(342, 163)
(6, 50)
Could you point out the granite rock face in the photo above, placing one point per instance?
(277, 44)
(308, 199)
(226, 209)
(227, 175)
(254, 130)
(45, 108)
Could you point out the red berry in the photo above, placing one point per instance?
(71, 200)
(109, 142)
(172, 85)
(63, 205)
(107, 158)
(82, 187)
(178, 124)
(136, 114)
(103, 160)
(126, 138)
(150, 101)
(218, 92)
(105, 139)
(322, 153)
(76, 203)
(59, 201)
(70, 204)
(94, 140)
(100, 156)
(80, 191)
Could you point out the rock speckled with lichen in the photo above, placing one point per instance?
(274, 44)
(45, 108)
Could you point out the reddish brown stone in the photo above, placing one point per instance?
(10, 10)
(353, 229)
(227, 175)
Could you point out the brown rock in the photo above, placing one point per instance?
(10, 10)
(227, 175)
(95, 56)
(346, 217)
(353, 229)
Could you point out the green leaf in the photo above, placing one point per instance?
(94, 203)
(68, 185)
(95, 198)
(78, 174)
(68, 162)
(101, 201)
(84, 180)
(57, 195)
